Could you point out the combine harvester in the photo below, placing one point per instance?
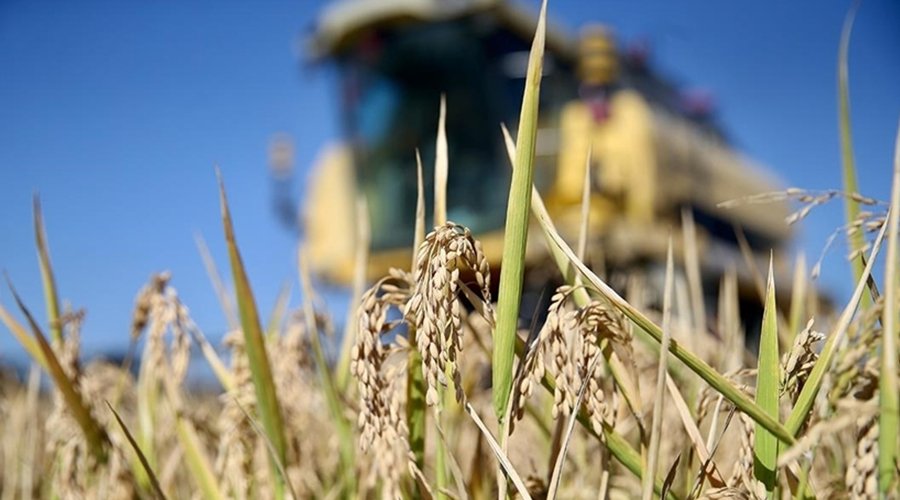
(657, 156)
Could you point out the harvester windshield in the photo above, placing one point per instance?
(393, 81)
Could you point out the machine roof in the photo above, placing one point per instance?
(341, 21)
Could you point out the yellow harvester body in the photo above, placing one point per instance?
(653, 160)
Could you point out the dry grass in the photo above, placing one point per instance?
(446, 298)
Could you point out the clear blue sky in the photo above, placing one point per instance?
(117, 112)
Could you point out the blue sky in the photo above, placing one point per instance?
(117, 113)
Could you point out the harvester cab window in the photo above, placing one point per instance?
(393, 81)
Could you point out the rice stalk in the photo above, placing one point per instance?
(215, 278)
(30, 466)
(415, 380)
(453, 466)
(807, 396)
(690, 426)
(51, 296)
(768, 381)
(276, 317)
(750, 261)
(553, 487)
(502, 459)
(254, 343)
(269, 448)
(729, 323)
(656, 426)
(419, 232)
(196, 459)
(516, 230)
(215, 362)
(692, 268)
(889, 418)
(342, 427)
(147, 412)
(798, 298)
(361, 258)
(441, 167)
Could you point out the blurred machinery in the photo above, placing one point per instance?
(656, 152)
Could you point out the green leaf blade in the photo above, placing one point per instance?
(767, 390)
(260, 368)
(889, 411)
(848, 164)
(28, 343)
(145, 464)
(196, 460)
(659, 399)
(94, 433)
(51, 296)
(516, 230)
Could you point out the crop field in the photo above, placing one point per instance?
(438, 389)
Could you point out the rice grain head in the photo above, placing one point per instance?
(862, 477)
(381, 418)
(435, 308)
